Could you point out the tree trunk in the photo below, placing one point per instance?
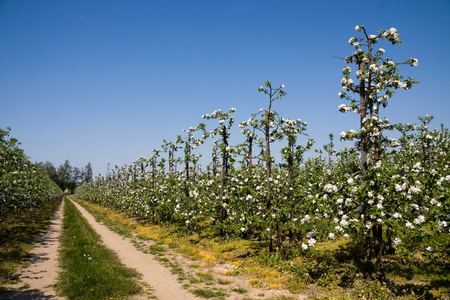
(223, 175)
(214, 163)
(428, 151)
(170, 161)
(379, 245)
(269, 176)
(290, 161)
(390, 248)
(364, 151)
(368, 257)
(250, 151)
(186, 160)
(362, 112)
(268, 163)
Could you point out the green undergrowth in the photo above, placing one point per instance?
(89, 269)
(332, 268)
(209, 293)
(18, 232)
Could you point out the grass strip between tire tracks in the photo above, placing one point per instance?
(89, 269)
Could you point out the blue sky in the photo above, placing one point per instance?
(107, 81)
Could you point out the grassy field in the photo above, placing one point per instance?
(90, 270)
(18, 231)
(332, 270)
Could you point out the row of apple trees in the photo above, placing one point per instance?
(390, 194)
(22, 183)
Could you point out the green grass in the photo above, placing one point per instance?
(209, 293)
(89, 269)
(205, 276)
(240, 290)
(18, 231)
(223, 281)
(156, 249)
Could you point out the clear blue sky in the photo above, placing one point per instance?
(106, 81)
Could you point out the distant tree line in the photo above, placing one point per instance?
(66, 176)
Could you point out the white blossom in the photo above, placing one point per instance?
(419, 220)
(414, 190)
(328, 188)
(409, 225)
(397, 216)
(373, 68)
(312, 242)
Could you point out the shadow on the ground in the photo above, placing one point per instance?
(25, 294)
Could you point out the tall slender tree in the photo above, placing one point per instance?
(378, 78)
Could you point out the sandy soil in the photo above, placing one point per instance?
(38, 279)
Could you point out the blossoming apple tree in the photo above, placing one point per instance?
(378, 78)
(223, 130)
